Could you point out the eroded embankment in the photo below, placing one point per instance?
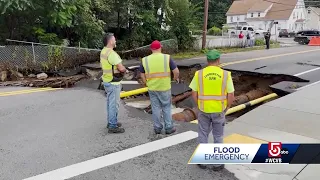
(248, 86)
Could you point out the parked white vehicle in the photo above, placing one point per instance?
(245, 30)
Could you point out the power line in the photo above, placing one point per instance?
(305, 2)
(278, 3)
(281, 10)
(268, 11)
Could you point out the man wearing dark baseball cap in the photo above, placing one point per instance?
(156, 74)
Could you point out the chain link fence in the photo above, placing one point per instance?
(22, 55)
(44, 57)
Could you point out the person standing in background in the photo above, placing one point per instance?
(248, 42)
(267, 37)
(241, 38)
(156, 75)
(252, 39)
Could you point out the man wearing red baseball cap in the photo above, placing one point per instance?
(156, 74)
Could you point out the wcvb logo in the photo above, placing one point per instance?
(274, 149)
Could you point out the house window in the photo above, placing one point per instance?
(238, 18)
(309, 11)
(251, 14)
(231, 18)
(258, 14)
(294, 15)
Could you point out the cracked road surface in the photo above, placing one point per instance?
(45, 131)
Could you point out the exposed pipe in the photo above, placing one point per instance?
(186, 115)
(246, 105)
(181, 97)
(133, 92)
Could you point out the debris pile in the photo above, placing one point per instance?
(42, 81)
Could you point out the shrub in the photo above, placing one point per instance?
(214, 31)
(259, 42)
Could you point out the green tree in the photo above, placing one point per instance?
(217, 12)
(182, 21)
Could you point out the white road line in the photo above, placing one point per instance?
(308, 85)
(305, 72)
(110, 159)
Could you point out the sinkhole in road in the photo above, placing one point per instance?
(248, 86)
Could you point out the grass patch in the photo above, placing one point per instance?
(187, 55)
(193, 54)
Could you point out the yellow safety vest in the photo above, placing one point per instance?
(212, 89)
(106, 66)
(157, 71)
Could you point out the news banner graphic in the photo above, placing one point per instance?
(273, 152)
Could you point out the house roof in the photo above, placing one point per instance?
(260, 6)
(240, 7)
(280, 10)
(316, 10)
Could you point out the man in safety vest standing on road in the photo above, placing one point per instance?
(113, 71)
(156, 74)
(213, 90)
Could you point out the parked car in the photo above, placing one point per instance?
(286, 33)
(303, 37)
(245, 30)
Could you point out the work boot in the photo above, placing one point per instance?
(173, 130)
(218, 168)
(116, 130)
(156, 131)
(202, 166)
(118, 124)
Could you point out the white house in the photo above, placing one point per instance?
(261, 14)
(313, 18)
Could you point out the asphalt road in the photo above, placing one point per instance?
(62, 130)
(44, 131)
(300, 61)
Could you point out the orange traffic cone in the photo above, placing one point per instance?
(315, 41)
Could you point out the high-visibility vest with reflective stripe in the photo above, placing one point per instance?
(157, 71)
(106, 66)
(212, 89)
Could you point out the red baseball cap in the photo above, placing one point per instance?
(155, 45)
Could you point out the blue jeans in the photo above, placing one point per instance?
(113, 103)
(161, 102)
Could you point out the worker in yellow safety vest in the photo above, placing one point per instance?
(113, 72)
(155, 72)
(213, 90)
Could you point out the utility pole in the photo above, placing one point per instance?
(205, 24)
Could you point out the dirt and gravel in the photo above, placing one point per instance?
(248, 87)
